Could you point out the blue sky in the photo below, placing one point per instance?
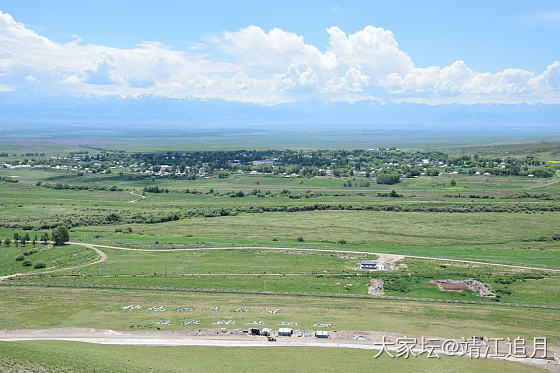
(442, 51)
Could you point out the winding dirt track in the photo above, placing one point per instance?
(382, 257)
(102, 258)
(137, 195)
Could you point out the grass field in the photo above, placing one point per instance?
(53, 257)
(68, 356)
(492, 236)
(33, 307)
(302, 271)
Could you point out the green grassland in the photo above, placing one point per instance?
(293, 284)
(68, 356)
(436, 229)
(36, 307)
(56, 257)
(282, 270)
(225, 261)
(510, 285)
(303, 271)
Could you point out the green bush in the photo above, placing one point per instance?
(26, 263)
(388, 178)
(40, 265)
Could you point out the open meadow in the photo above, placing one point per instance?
(467, 255)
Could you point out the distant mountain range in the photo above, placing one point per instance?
(218, 113)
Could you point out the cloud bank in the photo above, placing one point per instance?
(258, 66)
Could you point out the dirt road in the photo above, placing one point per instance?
(102, 258)
(137, 195)
(545, 185)
(365, 340)
(382, 257)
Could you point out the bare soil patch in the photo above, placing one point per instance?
(454, 286)
(468, 284)
(376, 287)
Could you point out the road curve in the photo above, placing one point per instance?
(102, 258)
(137, 195)
(381, 256)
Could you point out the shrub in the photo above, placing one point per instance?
(26, 263)
(113, 217)
(300, 239)
(40, 265)
(19, 258)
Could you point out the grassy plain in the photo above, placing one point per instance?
(71, 356)
(36, 307)
(492, 236)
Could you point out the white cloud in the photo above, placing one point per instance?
(459, 83)
(373, 49)
(254, 65)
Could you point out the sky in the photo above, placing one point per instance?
(268, 53)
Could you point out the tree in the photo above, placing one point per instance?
(388, 178)
(16, 239)
(45, 238)
(34, 240)
(7, 241)
(60, 235)
(453, 182)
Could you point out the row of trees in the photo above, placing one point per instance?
(59, 236)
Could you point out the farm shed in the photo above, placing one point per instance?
(368, 264)
(321, 334)
(266, 332)
(285, 332)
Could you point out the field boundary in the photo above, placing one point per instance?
(276, 293)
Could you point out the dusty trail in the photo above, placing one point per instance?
(545, 185)
(382, 257)
(137, 195)
(371, 340)
(102, 258)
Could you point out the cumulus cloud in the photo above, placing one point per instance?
(459, 81)
(258, 66)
